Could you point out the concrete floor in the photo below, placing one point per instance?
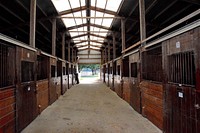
(90, 108)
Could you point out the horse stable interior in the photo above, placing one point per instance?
(149, 52)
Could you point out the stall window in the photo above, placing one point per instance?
(59, 69)
(42, 68)
(7, 65)
(111, 70)
(53, 71)
(27, 71)
(182, 68)
(134, 71)
(126, 67)
(114, 68)
(152, 64)
(67, 69)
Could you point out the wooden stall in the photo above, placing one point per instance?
(52, 81)
(26, 87)
(7, 88)
(181, 58)
(111, 75)
(151, 85)
(103, 72)
(59, 78)
(117, 79)
(70, 75)
(42, 84)
(134, 80)
(107, 74)
(114, 74)
(126, 84)
(65, 77)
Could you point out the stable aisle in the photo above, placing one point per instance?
(90, 108)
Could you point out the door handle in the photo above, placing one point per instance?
(197, 106)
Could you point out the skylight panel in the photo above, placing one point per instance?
(73, 34)
(61, 5)
(82, 2)
(75, 3)
(93, 2)
(69, 22)
(86, 47)
(113, 5)
(102, 34)
(101, 3)
(94, 47)
(96, 44)
(107, 22)
(98, 21)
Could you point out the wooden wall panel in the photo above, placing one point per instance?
(58, 86)
(70, 81)
(42, 95)
(7, 110)
(52, 91)
(126, 89)
(152, 102)
(118, 85)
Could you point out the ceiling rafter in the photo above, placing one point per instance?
(78, 9)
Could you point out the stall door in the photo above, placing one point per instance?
(26, 96)
(181, 98)
(52, 86)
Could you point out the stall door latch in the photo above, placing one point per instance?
(197, 106)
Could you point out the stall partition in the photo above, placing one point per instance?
(126, 84)
(7, 88)
(134, 71)
(151, 86)
(52, 81)
(42, 84)
(70, 75)
(59, 78)
(182, 70)
(117, 79)
(65, 77)
(110, 78)
(26, 87)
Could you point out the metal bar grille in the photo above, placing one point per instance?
(7, 65)
(182, 68)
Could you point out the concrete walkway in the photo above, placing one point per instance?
(90, 108)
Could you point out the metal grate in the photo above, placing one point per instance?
(7, 65)
(182, 68)
(152, 64)
(27, 70)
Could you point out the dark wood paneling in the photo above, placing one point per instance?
(52, 90)
(152, 102)
(126, 89)
(7, 110)
(26, 104)
(135, 94)
(118, 86)
(42, 95)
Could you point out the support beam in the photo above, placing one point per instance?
(114, 46)
(142, 20)
(68, 51)
(32, 23)
(108, 51)
(54, 37)
(63, 46)
(72, 10)
(123, 34)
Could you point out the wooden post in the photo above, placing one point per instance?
(114, 46)
(142, 34)
(123, 34)
(63, 46)
(106, 56)
(54, 37)
(32, 23)
(142, 20)
(72, 55)
(69, 51)
(108, 51)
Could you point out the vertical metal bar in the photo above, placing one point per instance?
(68, 51)
(54, 37)
(176, 68)
(63, 46)
(183, 70)
(188, 68)
(114, 46)
(108, 51)
(32, 23)
(123, 34)
(191, 65)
